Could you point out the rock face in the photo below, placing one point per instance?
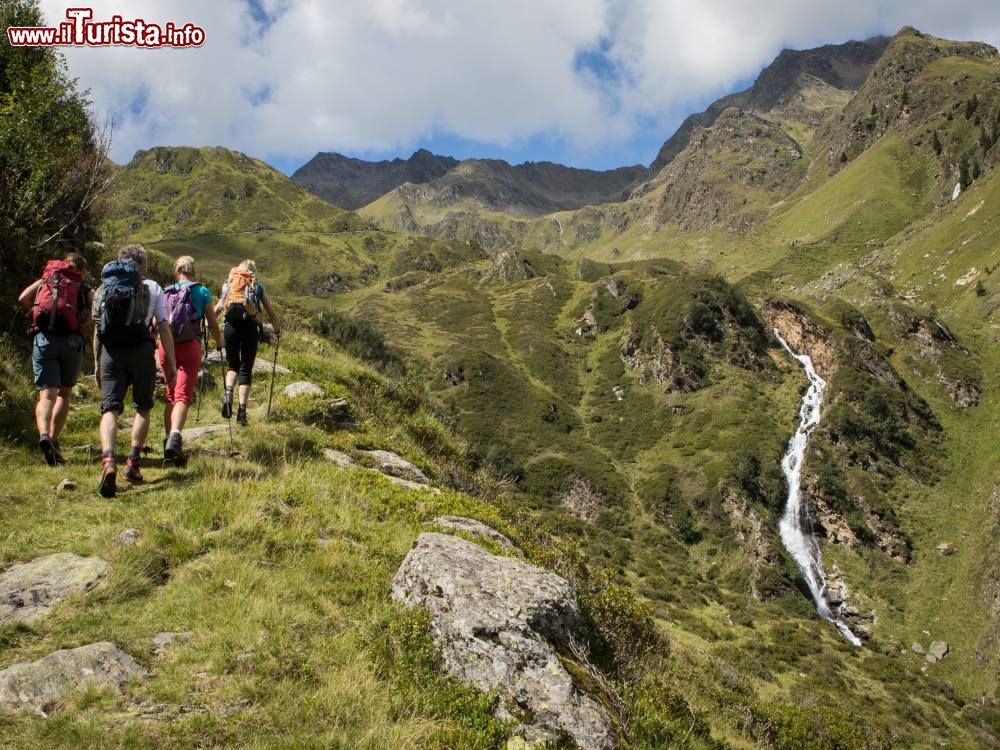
(494, 619)
(302, 388)
(804, 335)
(473, 528)
(30, 590)
(37, 684)
(396, 466)
(843, 67)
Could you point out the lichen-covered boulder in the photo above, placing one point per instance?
(495, 620)
(38, 684)
(396, 466)
(29, 590)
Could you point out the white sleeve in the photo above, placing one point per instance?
(157, 303)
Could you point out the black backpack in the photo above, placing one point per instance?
(121, 305)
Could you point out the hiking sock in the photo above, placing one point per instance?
(136, 453)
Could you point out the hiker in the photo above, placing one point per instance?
(189, 304)
(242, 297)
(126, 308)
(60, 307)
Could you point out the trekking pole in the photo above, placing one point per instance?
(274, 367)
(201, 372)
(222, 367)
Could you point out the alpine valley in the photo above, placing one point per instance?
(599, 365)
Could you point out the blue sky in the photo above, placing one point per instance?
(589, 83)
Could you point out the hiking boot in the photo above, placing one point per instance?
(241, 415)
(172, 449)
(109, 477)
(132, 472)
(227, 404)
(60, 460)
(48, 448)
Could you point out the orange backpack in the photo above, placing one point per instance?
(241, 297)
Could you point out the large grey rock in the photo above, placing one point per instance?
(396, 466)
(494, 619)
(338, 458)
(937, 651)
(39, 683)
(28, 591)
(303, 388)
(473, 528)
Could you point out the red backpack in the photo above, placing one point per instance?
(57, 300)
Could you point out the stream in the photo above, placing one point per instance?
(796, 533)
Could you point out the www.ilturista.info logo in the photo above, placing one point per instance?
(81, 31)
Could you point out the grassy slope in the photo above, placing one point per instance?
(280, 566)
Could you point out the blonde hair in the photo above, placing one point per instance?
(249, 265)
(184, 266)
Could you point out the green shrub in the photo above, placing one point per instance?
(360, 339)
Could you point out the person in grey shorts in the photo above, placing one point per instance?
(119, 366)
(56, 357)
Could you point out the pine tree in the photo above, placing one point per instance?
(975, 169)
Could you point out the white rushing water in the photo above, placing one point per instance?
(795, 534)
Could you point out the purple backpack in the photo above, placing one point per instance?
(184, 320)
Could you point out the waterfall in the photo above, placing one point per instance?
(794, 527)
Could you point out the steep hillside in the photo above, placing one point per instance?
(353, 183)
(182, 192)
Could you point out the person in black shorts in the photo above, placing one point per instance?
(242, 298)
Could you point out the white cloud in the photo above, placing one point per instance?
(344, 75)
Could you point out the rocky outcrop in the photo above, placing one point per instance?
(30, 590)
(394, 465)
(496, 620)
(739, 149)
(654, 359)
(841, 67)
(506, 267)
(936, 343)
(39, 684)
(804, 335)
